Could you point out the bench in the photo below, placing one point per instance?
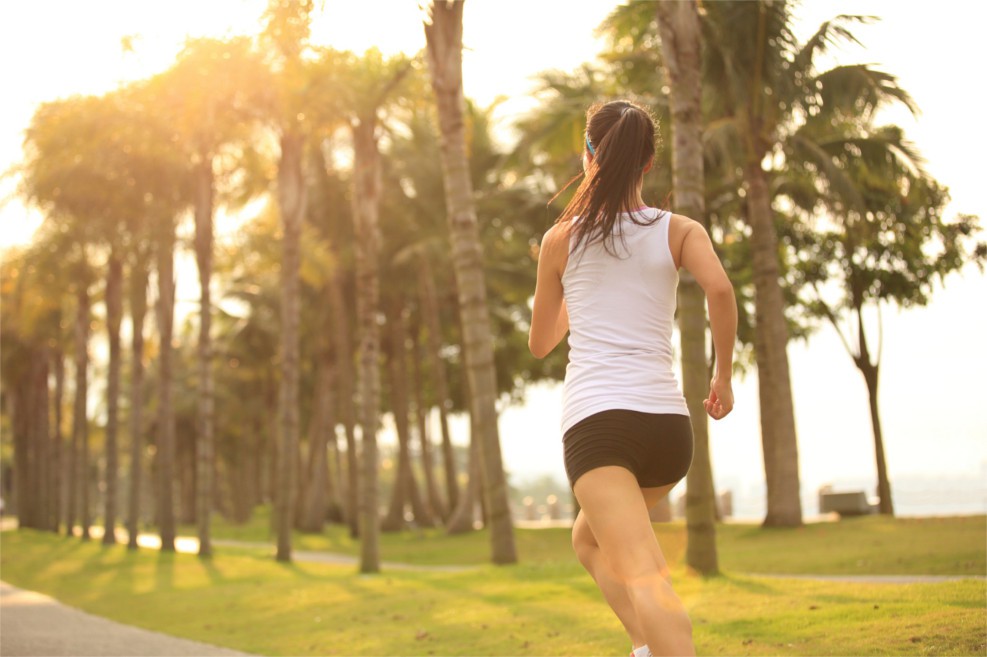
(849, 503)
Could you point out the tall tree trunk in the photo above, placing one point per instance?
(31, 427)
(678, 24)
(205, 442)
(291, 200)
(871, 372)
(58, 443)
(343, 370)
(19, 399)
(366, 191)
(421, 413)
(114, 312)
(886, 505)
(320, 425)
(165, 454)
(71, 466)
(271, 444)
(444, 40)
(138, 310)
(41, 438)
(463, 516)
(778, 435)
(186, 447)
(345, 376)
(336, 512)
(405, 488)
(430, 311)
(80, 425)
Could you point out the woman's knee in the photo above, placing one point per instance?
(583, 542)
(638, 564)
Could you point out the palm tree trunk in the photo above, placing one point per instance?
(205, 448)
(114, 312)
(138, 310)
(186, 448)
(20, 504)
(291, 199)
(80, 425)
(430, 309)
(58, 440)
(464, 515)
(271, 443)
(444, 39)
(678, 23)
(770, 343)
(418, 386)
(43, 437)
(405, 488)
(345, 376)
(31, 428)
(165, 453)
(71, 466)
(335, 488)
(321, 424)
(366, 191)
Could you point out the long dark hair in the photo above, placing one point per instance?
(620, 136)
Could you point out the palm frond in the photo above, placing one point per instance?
(837, 179)
(859, 90)
(832, 32)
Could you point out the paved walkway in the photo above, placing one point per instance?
(872, 579)
(34, 624)
(190, 544)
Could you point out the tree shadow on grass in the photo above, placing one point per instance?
(516, 615)
(751, 584)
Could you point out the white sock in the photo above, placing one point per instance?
(642, 651)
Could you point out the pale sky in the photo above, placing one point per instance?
(934, 357)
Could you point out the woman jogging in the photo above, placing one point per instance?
(607, 274)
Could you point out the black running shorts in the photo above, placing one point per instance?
(656, 447)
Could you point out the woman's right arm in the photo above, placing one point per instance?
(700, 260)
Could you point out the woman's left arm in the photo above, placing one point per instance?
(549, 315)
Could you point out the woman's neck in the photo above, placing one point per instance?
(636, 203)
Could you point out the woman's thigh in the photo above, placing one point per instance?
(616, 511)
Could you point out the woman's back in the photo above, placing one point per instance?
(621, 313)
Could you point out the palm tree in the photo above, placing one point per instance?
(444, 38)
(162, 187)
(77, 168)
(679, 26)
(213, 92)
(364, 86)
(406, 487)
(769, 86)
(137, 298)
(287, 30)
(33, 281)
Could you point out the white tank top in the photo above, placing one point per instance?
(621, 313)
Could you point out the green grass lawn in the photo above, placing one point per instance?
(865, 546)
(546, 605)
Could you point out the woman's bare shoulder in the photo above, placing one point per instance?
(678, 229)
(682, 222)
(557, 235)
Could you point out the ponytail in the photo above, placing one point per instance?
(620, 137)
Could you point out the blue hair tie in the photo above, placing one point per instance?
(592, 151)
